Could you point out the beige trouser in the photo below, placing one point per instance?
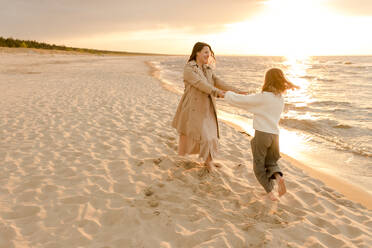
(265, 150)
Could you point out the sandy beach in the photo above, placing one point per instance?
(88, 159)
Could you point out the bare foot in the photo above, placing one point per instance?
(207, 168)
(272, 197)
(281, 186)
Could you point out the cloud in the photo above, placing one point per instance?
(52, 19)
(352, 7)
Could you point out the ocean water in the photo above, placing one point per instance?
(327, 124)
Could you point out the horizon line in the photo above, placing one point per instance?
(178, 54)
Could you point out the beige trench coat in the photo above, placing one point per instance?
(200, 89)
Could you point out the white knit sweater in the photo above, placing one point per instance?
(266, 108)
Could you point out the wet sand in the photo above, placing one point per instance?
(88, 158)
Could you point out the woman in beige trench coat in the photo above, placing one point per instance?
(196, 115)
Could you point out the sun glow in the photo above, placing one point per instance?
(296, 72)
(292, 28)
(297, 28)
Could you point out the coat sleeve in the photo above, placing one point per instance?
(192, 77)
(221, 84)
(247, 102)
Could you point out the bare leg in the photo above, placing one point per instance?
(182, 145)
(208, 163)
(271, 196)
(281, 185)
(207, 167)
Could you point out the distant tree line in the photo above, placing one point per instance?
(10, 42)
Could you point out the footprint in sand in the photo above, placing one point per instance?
(153, 203)
(186, 164)
(75, 200)
(157, 161)
(21, 212)
(148, 191)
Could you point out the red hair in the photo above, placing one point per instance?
(276, 82)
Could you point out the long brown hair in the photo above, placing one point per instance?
(197, 48)
(276, 82)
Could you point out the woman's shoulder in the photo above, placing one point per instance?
(191, 63)
(190, 66)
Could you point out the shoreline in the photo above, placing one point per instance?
(89, 160)
(349, 190)
(352, 192)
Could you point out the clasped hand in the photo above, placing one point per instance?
(221, 94)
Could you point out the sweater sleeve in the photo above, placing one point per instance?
(247, 102)
(192, 77)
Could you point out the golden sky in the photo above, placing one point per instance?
(239, 27)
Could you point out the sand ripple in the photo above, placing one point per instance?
(88, 160)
